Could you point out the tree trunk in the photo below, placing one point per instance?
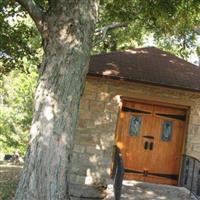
(69, 29)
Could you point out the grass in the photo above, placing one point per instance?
(9, 177)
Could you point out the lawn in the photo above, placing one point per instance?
(9, 177)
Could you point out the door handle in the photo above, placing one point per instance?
(146, 145)
(148, 137)
(151, 146)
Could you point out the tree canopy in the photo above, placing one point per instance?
(16, 108)
(20, 40)
(173, 24)
(65, 30)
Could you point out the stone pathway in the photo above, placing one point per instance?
(133, 190)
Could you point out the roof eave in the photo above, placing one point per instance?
(144, 82)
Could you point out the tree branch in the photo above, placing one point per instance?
(34, 11)
(104, 30)
(197, 30)
(111, 26)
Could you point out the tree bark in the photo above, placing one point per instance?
(69, 30)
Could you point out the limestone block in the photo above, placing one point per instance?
(195, 136)
(96, 106)
(195, 154)
(84, 114)
(96, 86)
(103, 172)
(90, 95)
(195, 119)
(86, 123)
(195, 108)
(87, 139)
(196, 148)
(99, 110)
(78, 170)
(90, 86)
(102, 118)
(105, 163)
(76, 179)
(111, 107)
(94, 150)
(76, 198)
(85, 160)
(107, 141)
(103, 96)
(196, 131)
(84, 104)
(87, 191)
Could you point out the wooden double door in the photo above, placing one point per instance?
(151, 138)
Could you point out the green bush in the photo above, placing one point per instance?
(16, 110)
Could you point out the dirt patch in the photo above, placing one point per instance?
(9, 178)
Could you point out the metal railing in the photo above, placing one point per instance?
(190, 176)
(118, 173)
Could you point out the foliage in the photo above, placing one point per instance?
(19, 38)
(20, 55)
(172, 24)
(16, 111)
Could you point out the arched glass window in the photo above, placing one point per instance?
(166, 131)
(135, 125)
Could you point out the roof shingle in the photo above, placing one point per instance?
(147, 65)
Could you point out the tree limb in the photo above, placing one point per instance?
(34, 11)
(111, 26)
(197, 30)
(104, 30)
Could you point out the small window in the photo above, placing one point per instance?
(135, 124)
(166, 131)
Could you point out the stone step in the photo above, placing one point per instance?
(133, 190)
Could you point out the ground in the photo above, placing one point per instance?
(133, 190)
(9, 177)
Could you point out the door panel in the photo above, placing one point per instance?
(168, 110)
(166, 151)
(151, 138)
(132, 146)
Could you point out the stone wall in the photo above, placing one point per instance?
(94, 139)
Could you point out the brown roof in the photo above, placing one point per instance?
(147, 65)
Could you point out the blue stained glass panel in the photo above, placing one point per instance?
(135, 125)
(167, 131)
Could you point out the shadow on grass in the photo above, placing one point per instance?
(9, 177)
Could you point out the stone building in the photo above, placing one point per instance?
(145, 101)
